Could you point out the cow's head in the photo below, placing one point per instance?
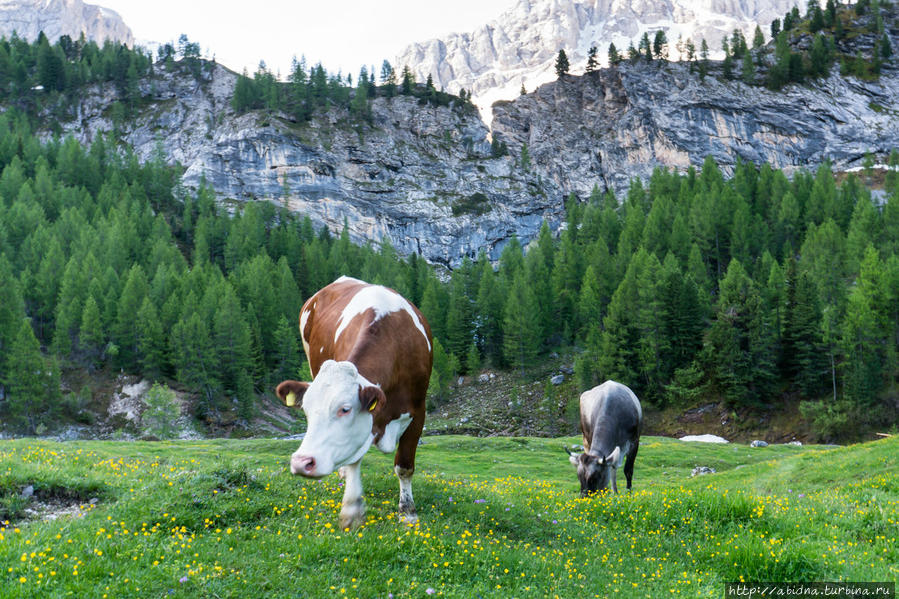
(595, 472)
(339, 406)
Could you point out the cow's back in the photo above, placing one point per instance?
(611, 415)
(384, 335)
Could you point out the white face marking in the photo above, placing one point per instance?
(339, 430)
(393, 431)
(303, 318)
(383, 301)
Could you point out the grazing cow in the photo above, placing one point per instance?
(370, 352)
(611, 419)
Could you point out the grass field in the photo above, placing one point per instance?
(500, 517)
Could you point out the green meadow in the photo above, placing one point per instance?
(499, 517)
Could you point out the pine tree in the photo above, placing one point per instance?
(863, 346)
(810, 356)
(12, 309)
(124, 329)
(458, 318)
(819, 57)
(830, 13)
(525, 159)
(562, 65)
(703, 59)
(34, 391)
(614, 57)
(408, 81)
(758, 38)
(91, 336)
(433, 305)
(442, 373)
(489, 310)
(195, 360)
(747, 71)
(592, 63)
(645, 46)
(690, 53)
(520, 341)
(287, 358)
(590, 304)
(566, 280)
(151, 342)
(660, 45)
(473, 359)
(739, 346)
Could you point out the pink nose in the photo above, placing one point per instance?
(302, 464)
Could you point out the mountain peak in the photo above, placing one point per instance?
(62, 17)
(519, 47)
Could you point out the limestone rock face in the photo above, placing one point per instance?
(610, 126)
(62, 17)
(521, 45)
(420, 177)
(424, 178)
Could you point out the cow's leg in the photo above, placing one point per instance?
(404, 466)
(629, 463)
(352, 510)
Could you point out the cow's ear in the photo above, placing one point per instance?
(574, 458)
(291, 392)
(371, 398)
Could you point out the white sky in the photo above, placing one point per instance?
(342, 34)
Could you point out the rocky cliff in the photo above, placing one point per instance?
(419, 176)
(607, 127)
(424, 178)
(62, 17)
(521, 45)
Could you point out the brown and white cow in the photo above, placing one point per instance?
(370, 352)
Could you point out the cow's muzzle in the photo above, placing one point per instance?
(304, 465)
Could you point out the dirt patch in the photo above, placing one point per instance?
(53, 509)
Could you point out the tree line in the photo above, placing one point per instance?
(108, 265)
(753, 289)
(308, 89)
(828, 29)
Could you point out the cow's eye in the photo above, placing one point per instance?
(344, 410)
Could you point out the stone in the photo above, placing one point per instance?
(27, 492)
(700, 470)
(758, 443)
(558, 379)
(706, 438)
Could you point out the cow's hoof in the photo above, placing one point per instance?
(407, 514)
(341, 473)
(352, 516)
(408, 518)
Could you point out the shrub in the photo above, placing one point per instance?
(162, 410)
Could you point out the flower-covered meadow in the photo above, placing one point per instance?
(499, 518)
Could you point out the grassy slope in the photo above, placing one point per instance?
(500, 517)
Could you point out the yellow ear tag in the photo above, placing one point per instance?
(373, 406)
(291, 399)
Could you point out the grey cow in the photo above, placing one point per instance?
(611, 420)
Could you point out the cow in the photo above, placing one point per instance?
(370, 352)
(611, 420)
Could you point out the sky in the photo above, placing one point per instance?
(341, 34)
